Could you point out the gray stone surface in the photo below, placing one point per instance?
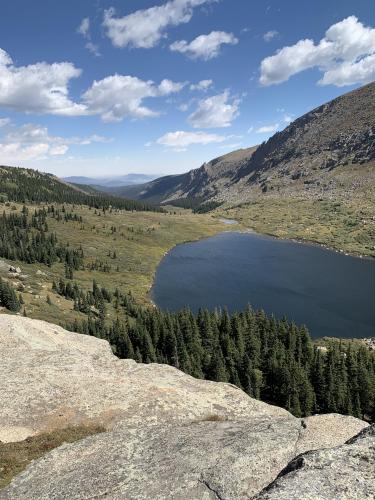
(346, 472)
(169, 435)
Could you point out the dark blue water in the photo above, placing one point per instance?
(331, 293)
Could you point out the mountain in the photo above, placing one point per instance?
(114, 181)
(27, 185)
(206, 182)
(327, 152)
(160, 433)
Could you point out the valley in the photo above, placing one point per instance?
(187, 250)
(138, 239)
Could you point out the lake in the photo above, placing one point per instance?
(331, 293)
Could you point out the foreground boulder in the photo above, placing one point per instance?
(168, 435)
(344, 472)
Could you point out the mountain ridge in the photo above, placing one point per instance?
(325, 153)
(110, 181)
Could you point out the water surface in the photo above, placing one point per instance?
(331, 293)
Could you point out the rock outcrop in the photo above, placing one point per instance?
(168, 435)
(346, 472)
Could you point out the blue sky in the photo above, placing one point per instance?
(153, 86)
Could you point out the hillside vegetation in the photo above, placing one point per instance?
(116, 248)
(30, 186)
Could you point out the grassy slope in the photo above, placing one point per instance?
(141, 239)
(342, 225)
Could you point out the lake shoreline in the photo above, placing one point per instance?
(249, 230)
(209, 298)
(304, 241)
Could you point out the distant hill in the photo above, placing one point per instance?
(31, 186)
(327, 152)
(113, 181)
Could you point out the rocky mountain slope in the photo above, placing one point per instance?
(206, 182)
(328, 152)
(168, 435)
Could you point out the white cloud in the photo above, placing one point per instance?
(84, 30)
(250, 130)
(348, 73)
(38, 88)
(346, 55)
(145, 28)
(4, 122)
(93, 48)
(204, 46)
(167, 87)
(184, 107)
(287, 118)
(215, 112)
(270, 35)
(32, 142)
(181, 140)
(202, 85)
(43, 89)
(58, 150)
(266, 129)
(118, 96)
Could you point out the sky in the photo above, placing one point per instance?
(111, 87)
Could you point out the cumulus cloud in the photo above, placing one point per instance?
(145, 28)
(44, 89)
(32, 142)
(181, 140)
(346, 56)
(215, 112)
(84, 30)
(204, 46)
(270, 35)
(38, 88)
(118, 96)
(202, 85)
(266, 129)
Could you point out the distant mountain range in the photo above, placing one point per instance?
(24, 185)
(112, 181)
(327, 152)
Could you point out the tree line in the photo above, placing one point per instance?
(29, 241)
(272, 360)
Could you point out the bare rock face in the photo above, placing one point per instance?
(346, 472)
(169, 435)
(52, 378)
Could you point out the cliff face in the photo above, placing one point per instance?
(168, 435)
